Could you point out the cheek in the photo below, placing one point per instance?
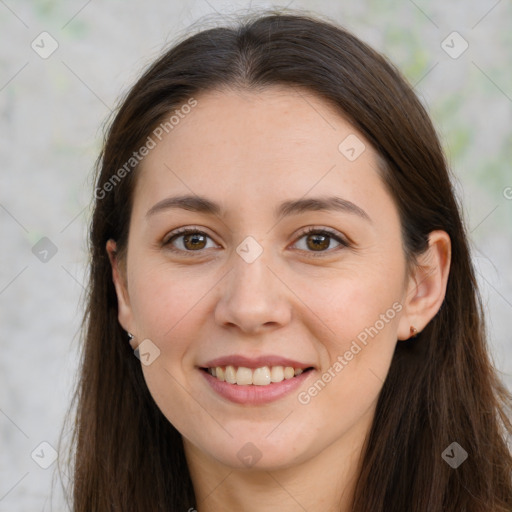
(363, 316)
(360, 304)
(169, 312)
(162, 299)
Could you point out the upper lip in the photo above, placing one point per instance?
(255, 362)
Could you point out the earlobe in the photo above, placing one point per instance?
(120, 283)
(427, 286)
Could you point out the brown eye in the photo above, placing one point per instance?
(188, 240)
(320, 241)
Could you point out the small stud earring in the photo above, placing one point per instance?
(413, 331)
(130, 335)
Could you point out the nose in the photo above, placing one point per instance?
(253, 297)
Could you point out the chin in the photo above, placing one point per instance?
(257, 453)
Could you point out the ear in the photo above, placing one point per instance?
(426, 287)
(125, 316)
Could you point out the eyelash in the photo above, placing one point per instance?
(311, 230)
(323, 231)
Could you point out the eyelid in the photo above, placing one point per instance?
(337, 236)
(184, 231)
(179, 232)
(322, 229)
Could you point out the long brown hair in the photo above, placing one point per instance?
(441, 387)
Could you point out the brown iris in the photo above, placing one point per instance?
(319, 241)
(196, 240)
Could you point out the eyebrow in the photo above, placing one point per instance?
(204, 205)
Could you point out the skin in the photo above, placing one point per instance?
(249, 152)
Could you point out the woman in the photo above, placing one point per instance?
(282, 311)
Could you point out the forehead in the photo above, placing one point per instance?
(278, 142)
(272, 123)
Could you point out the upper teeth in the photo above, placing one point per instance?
(259, 376)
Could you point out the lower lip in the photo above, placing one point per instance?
(252, 394)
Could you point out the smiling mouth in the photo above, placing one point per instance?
(263, 376)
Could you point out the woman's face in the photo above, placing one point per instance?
(251, 289)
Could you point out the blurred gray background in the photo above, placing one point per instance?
(62, 67)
